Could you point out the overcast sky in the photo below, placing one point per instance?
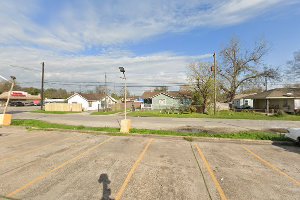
(154, 40)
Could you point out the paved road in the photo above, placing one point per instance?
(55, 165)
(220, 125)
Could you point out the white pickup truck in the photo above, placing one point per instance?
(294, 134)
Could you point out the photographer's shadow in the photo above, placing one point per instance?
(103, 179)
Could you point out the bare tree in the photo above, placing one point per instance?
(293, 71)
(239, 66)
(5, 86)
(201, 79)
(100, 90)
(161, 89)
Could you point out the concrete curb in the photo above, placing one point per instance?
(193, 139)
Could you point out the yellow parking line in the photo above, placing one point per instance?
(39, 178)
(276, 169)
(211, 173)
(132, 170)
(37, 148)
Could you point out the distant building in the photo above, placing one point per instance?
(165, 100)
(92, 101)
(242, 101)
(19, 96)
(286, 99)
(54, 101)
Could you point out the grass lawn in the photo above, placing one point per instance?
(53, 112)
(105, 113)
(219, 115)
(254, 135)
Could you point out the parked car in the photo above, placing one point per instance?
(16, 103)
(294, 134)
(29, 104)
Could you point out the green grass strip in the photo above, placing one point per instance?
(254, 135)
(219, 115)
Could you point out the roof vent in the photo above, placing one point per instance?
(289, 94)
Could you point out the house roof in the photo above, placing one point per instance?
(242, 96)
(172, 94)
(93, 97)
(278, 93)
(147, 95)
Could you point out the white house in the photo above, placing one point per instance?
(241, 102)
(91, 101)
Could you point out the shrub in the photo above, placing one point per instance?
(280, 113)
(192, 109)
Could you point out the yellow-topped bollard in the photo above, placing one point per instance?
(125, 126)
(5, 119)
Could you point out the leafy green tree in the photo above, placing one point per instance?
(32, 90)
(53, 93)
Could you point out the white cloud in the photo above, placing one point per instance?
(78, 25)
(156, 69)
(60, 32)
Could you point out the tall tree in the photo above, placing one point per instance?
(100, 89)
(53, 93)
(5, 86)
(32, 90)
(121, 93)
(201, 80)
(293, 71)
(239, 66)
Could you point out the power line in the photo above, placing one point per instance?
(26, 68)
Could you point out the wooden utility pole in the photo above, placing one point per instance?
(105, 94)
(215, 85)
(267, 100)
(42, 88)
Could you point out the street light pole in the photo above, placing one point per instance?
(125, 95)
(125, 123)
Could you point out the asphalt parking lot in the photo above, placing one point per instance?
(69, 165)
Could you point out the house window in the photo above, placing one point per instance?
(162, 102)
(246, 102)
(90, 104)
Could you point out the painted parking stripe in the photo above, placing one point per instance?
(132, 170)
(211, 173)
(274, 168)
(40, 178)
(37, 148)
